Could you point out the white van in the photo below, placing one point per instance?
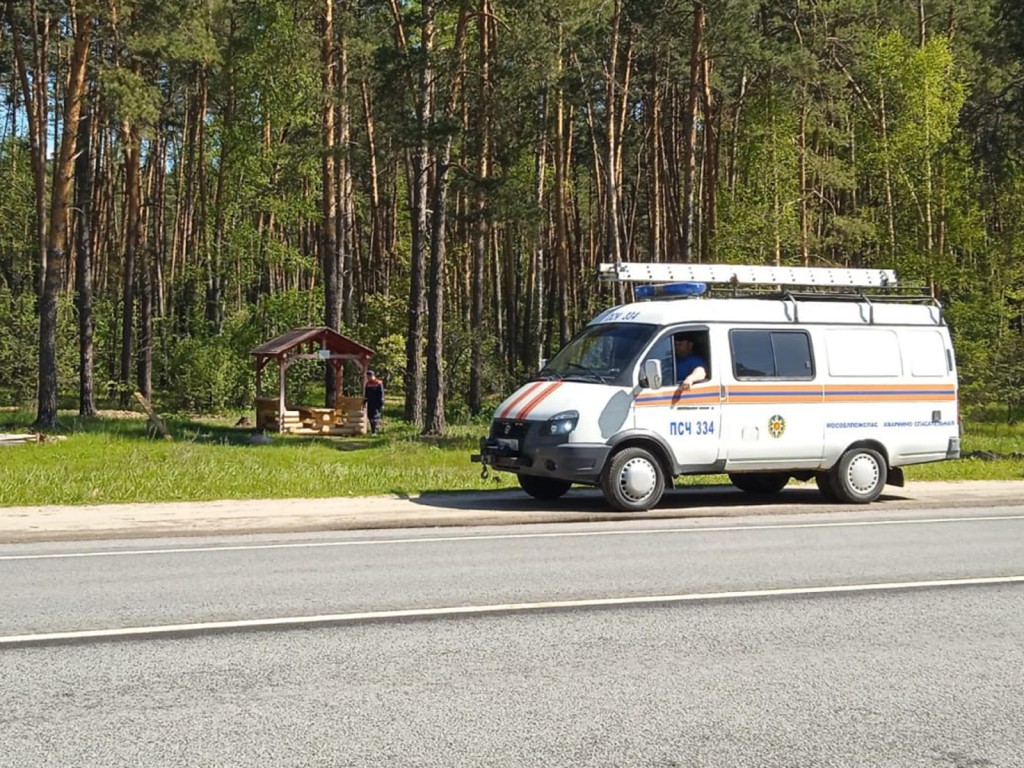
(831, 383)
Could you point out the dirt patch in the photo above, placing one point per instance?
(121, 414)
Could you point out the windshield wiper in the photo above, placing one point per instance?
(585, 373)
(547, 374)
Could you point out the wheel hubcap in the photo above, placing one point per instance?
(863, 473)
(637, 479)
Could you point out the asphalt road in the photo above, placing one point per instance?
(871, 637)
(511, 507)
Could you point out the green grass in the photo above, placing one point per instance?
(110, 460)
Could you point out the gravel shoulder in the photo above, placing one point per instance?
(508, 507)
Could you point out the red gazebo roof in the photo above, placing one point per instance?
(320, 337)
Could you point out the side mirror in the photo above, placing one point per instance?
(652, 372)
(543, 363)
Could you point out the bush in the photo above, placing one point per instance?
(19, 348)
(209, 375)
(19, 353)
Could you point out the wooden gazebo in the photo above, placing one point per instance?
(347, 417)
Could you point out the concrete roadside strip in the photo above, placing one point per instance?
(69, 523)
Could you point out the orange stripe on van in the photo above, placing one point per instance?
(678, 396)
(862, 393)
(528, 390)
(947, 387)
(537, 400)
(774, 393)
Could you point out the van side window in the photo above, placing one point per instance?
(690, 350)
(666, 352)
(771, 354)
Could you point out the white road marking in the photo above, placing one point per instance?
(503, 536)
(295, 622)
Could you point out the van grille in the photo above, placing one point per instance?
(508, 429)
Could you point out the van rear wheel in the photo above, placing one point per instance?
(759, 482)
(633, 481)
(859, 477)
(544, 488)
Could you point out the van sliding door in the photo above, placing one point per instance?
(772, 411)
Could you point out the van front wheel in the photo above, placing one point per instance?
(544, 488)
(633, 480)
(859, 477)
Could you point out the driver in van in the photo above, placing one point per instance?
(690, 367)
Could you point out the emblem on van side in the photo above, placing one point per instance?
(776, 426)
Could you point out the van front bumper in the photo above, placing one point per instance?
(575, 462)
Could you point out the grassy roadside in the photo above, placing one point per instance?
(111, 460)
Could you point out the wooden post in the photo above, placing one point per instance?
(281, 368)
(336, 364)
(156, 424)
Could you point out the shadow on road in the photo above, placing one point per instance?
(695, 500)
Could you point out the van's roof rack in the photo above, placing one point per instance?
(735, 275)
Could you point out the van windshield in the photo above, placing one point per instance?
(601, 353)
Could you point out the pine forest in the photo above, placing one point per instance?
(181, 180)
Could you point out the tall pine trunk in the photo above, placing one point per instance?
(434, 418)
(687, 236)
(613, 242)
(710, 158)
(132, 161)
(215, 277)
(83, 268)
(422, 161)
(343, 169)
(478, 242)
(56, 231)
(329, 203)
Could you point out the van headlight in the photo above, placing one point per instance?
(561, 423)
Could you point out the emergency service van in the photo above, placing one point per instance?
(844, 381)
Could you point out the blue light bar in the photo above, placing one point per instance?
(670, 289)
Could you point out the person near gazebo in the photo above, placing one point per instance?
(373, 397)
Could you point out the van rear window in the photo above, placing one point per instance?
(862, 352)
(771, 354)
(927, 353)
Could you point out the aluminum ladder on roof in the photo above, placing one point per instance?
(735, 274)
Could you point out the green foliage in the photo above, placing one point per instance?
(389, 361)
(833, 125)
(762, 214)
(131, 95)
(19, 348)
(18, 361)
(213, 374)
(917, 94)
(493, 372)
(18, 244)
(281, 312)
(987, 320)
(209, 375)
